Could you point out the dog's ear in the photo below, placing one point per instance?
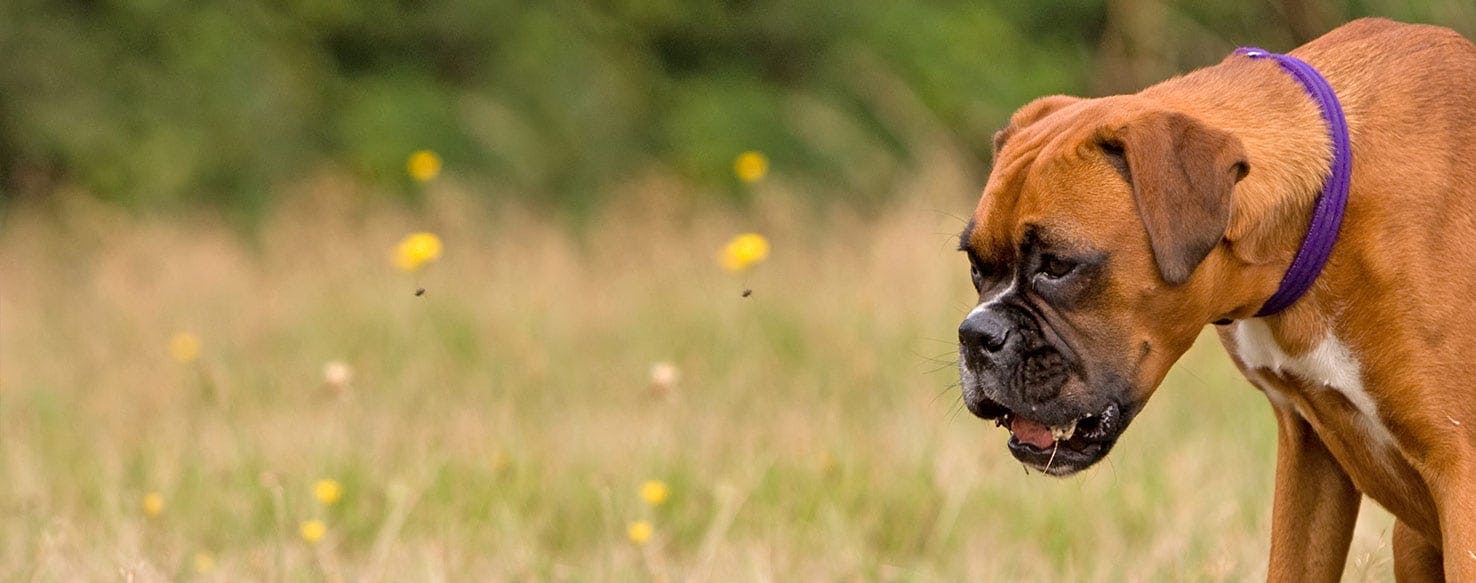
(1029, 114)
(1182, 173)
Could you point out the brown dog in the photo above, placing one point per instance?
(1113, 230)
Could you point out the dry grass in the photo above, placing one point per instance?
(500, 426)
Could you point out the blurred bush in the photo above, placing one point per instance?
(154, 103)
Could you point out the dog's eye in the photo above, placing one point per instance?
(1055, 267)
(978, 277)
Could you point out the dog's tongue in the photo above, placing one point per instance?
(1031, 432)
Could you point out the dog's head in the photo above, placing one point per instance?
(1089, 250)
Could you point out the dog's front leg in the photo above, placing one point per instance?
(1315, 508)
(1458, 518)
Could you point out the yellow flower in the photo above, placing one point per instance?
(640, 531)
(744, 251)
(184, 347)
(416, 250)
(423, 165)
(654, 492)
(312, 530)
(327, 491)
(153, 504)
(751, 166)
(826, 461)
(204, 562)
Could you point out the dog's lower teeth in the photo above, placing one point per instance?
(1063, 433)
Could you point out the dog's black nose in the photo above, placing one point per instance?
(984, 330)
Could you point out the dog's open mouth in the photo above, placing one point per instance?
(1062, 449)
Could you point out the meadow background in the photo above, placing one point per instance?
(212, 368)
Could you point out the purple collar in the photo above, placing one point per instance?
(1327, 216)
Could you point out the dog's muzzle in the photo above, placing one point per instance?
(1011, 374)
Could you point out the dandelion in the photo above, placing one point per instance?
(654, 492)
(336, 376)
(312, 531)
(327, 491)
(204, 562)
(416, 250)
(640, 531)
(664, 377)
(751, 166)
(153, 504)
(744, 251)
(337, 373)
(826, 461)
(184, 347)
(423, 165)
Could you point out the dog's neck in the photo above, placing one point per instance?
(1289, 150)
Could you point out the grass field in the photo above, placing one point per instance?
(501, 426)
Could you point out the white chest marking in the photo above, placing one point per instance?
(1329, 365)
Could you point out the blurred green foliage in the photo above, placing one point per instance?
(158, 102)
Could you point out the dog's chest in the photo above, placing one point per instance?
(1328, 366)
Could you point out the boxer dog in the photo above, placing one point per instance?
(1112, 230)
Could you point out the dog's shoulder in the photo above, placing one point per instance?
(1374, 37)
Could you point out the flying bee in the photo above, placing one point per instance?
(747, 292)
(420, 291)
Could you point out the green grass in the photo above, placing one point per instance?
(499, 427)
